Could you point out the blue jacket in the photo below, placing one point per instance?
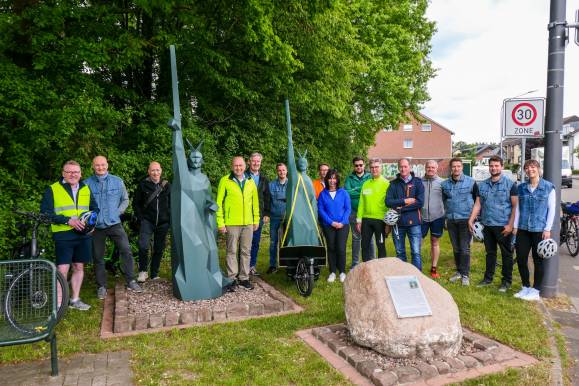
(399, 190)
(334, 209)
(47, 207)
(495, 201)
(111, 197)
(533, 206)
(458, 197)
(278, 201)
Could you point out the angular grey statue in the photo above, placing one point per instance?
(194, 257)
(301, 208)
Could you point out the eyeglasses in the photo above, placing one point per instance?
(72, 172)
(359, 165)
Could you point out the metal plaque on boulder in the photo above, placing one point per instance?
(407, 296)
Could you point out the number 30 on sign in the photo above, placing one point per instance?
(523, 117)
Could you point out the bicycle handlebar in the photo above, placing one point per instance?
(40, 218)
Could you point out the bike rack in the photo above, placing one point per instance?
(28, 300)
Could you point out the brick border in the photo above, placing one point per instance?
(494, 357)
(116, 322)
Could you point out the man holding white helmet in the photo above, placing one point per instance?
(459, 194)
(65, 202)
(496, 202)
(534, 218)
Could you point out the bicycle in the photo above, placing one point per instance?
(569, 229)
(30, 284)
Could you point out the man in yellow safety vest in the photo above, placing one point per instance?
(65, 201)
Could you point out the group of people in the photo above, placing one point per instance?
(247, 200)
(106, 196)
(505, 211)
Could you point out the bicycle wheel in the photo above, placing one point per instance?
(63, 296)
(571, 238)
(29, 300)
(304, 280)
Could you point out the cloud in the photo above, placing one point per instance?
(486, 51)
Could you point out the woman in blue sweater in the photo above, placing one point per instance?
(334, 211)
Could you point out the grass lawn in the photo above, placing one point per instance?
(266, 351)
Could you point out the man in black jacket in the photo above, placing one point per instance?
(262, 184)
(151, 206)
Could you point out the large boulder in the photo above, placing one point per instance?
(374, 323)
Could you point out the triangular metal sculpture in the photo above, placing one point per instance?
(301, 209)
(194, 254)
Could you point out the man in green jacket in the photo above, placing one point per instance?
(353, 186)
(371, 211)
(238, 218)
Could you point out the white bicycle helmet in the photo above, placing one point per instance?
(547, 248)
(477, 231)
(391, 217)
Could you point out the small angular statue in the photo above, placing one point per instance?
(194, 255)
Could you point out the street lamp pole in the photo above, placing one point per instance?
(553, 118)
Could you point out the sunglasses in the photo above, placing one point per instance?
(359, 165)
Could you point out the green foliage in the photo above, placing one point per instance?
(85, 78)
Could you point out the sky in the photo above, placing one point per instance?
(486, 51)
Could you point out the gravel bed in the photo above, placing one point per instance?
(157, 298)
(387, 363)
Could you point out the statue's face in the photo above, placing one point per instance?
(302, 164)
(195, 160)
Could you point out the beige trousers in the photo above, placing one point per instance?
(238, 239)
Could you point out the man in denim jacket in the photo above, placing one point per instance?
(497, 201)
(112, 199)
(277, 191)
(459, 193)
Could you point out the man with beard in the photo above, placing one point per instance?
(496, 201)
(433, 212)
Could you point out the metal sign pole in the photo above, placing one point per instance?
(554, 119)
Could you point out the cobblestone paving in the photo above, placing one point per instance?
(104, 369)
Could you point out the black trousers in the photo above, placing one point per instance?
(118, 235)
(373, 227)
(494, 237)
(336, 240)
(527, 242)
(460, 239)
(147, 230)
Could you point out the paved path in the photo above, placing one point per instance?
(569, 285)
(104, 369)
(569, 321)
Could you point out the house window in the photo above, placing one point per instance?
(407, 127)
(408, 144)
(426, 127)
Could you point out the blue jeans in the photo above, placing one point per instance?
(414, 233)
(255, 244)
(274, 224)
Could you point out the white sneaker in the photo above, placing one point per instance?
(522, 292)
(532, 295)
(142, 277)
(342, 277)
(332, 277)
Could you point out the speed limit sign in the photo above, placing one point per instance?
(523, 117)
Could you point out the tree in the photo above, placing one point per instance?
(84, 78)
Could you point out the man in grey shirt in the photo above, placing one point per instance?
(433, 212)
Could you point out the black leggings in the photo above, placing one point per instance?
(526, 242)
(377, 228)
(336, 240)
